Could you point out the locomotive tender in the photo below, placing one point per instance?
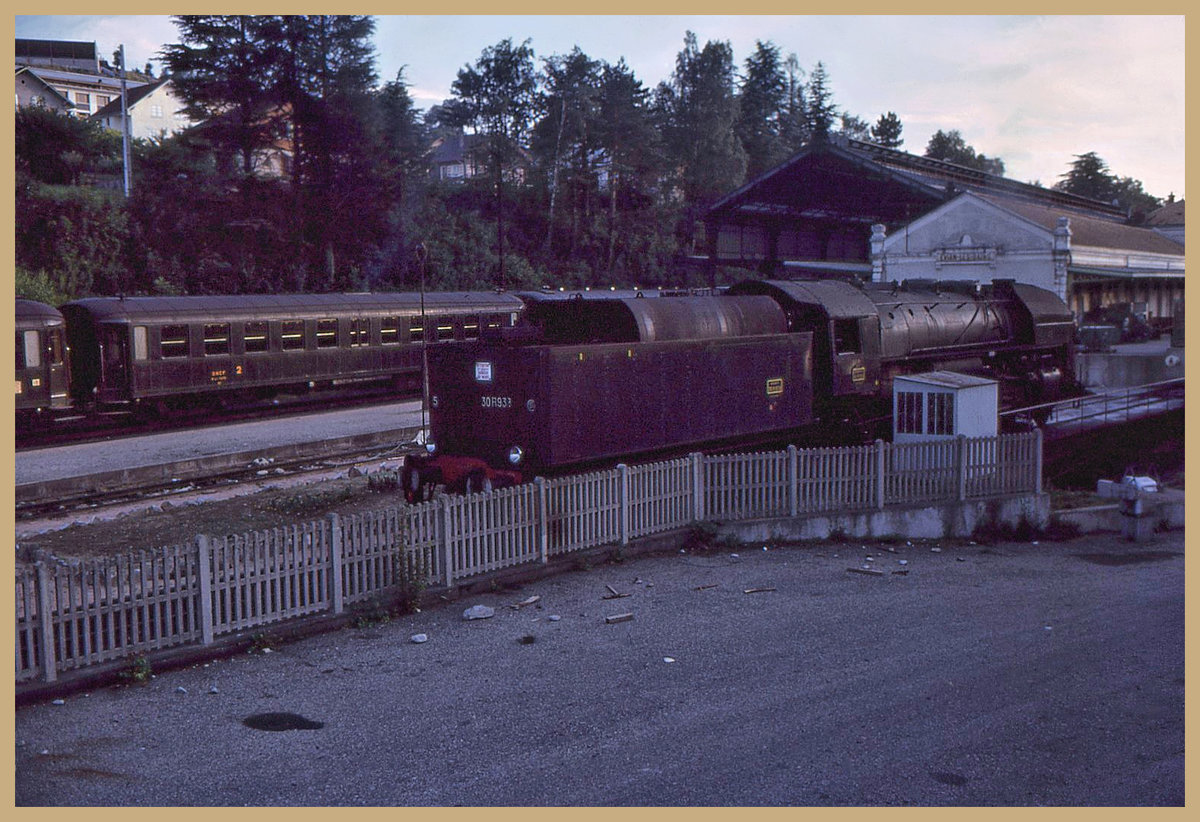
(594, 381)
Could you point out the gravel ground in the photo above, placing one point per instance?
(1007, 674)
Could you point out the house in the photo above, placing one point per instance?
(457, 157)
(154, 111)
(32, 90)
(75, 71)
(1168, 220)
(848, 208)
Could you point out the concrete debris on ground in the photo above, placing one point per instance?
(479, 612)
(418, 638)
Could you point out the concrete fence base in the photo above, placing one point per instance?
(948, 519)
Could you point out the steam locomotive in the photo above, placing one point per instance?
(582, 382)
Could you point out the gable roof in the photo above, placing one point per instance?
(1168, 215)
(132, 97)
(858, 181)
(31, 73)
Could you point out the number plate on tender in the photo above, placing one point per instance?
(483, 372)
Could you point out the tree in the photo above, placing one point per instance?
(820, 112)
(1090, 177)
(762, 107)
(56, 148)
(886, 131)
(698, 111)
(222, 69)
(498, 99)
(632, 145)
(570, 105)
(950, 147)
(853, 127)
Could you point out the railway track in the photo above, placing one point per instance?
(97, 500)
(115, 425)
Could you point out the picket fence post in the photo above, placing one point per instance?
(1037, 460)
(793, 479)
(880, 467)
(698, 512)
(623, 493)
(444, 542)
(49, 667)
(961, 460)
(204, 571)
(336, 562)
(543, 521)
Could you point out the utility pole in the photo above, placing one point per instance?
(124, 123)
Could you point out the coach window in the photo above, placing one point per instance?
(495, 322)
(292, 337)
(33, 351)
(140, 347)
(416, 329)
(173, 342)
(56, 347)
(360, 332)
(327, 334)
(845, 337)
(445, 329)
(471, 327)
(389, 330)
(255, 337)
(216, 339)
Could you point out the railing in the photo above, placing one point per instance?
(1106, 408)
(73, 614)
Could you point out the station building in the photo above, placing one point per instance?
(848, 208)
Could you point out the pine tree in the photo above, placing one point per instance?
(820, 113)
(763, 97)
(886, 131)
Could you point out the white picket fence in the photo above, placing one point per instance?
(74, 614)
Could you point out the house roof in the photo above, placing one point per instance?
(132, 97)
(45, 85)
(1169, 215)
(1087, 230)
(28, 49)
(853, 180)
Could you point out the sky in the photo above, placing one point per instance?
(1034, 91)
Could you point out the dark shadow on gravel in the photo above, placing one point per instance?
(281, 721)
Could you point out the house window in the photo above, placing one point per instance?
(292, 338)
(83, 99)
(102, 100)
(173, 341)
(156, 111)
(389, 330)
(255, 337)
(940, 414)
(327, 334)
(216, 339)
(908, 412)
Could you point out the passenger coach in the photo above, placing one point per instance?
(180, 352)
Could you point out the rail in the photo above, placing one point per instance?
(72, 614)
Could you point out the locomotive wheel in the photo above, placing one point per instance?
(478, 483)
